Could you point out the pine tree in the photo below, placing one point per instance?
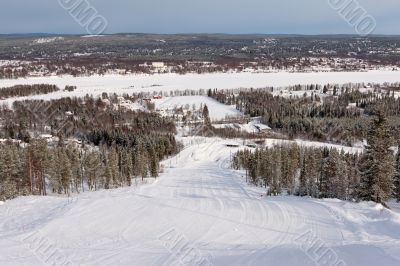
(275, 187)
(313, 159)
(77, 175)
(126, 166)
(253, 169)
(266, 168)
(206, 116)
(209, 93)
(153, 163)
(37, 156)
(65, 171)
(397, 176)
(325, 174)
(303, 178)
(341, 187)
(293, 166)
(285, 161)
(52, 171)
(92, 169)
(325, 90)
(377, 166)
(112, 164)
(353, 174)
(8, 184)
(330, 174)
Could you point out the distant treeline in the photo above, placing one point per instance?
(27, 90)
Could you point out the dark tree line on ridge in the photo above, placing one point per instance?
(308, 116)
(26, 90)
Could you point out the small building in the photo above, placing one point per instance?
(232, 145)
(262, 128)
(157, 64)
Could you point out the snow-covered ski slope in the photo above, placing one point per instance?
(95, 85)
(197, 213)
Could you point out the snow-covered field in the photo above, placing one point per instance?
(95, 85)
(198, 212)
(216, 109)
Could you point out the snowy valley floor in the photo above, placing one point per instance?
(96, 85)
(198, 212)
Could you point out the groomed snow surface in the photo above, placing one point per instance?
(199, 212)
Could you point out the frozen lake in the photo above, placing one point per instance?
(95, 85)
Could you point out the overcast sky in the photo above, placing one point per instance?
(197, 16)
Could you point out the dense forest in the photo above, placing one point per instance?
(78, 117)
(340, 115)
(89, 144)
(38, 169)
(328, 173)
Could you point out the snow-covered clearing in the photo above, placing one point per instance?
(198, 212)
(95, 85)
(306, 143)
(254, 126)
(216, 109)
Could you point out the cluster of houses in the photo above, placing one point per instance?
(149, 99)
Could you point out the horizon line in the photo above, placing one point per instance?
(198, 33)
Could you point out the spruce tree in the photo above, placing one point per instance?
(331, 175)
(206, 116)
(377, 166)
(341, 187)
(37, 158)
(266, 172)
(303, 179)
(313, 159)
(275, 187)
(65, 171)
(112, 164)
(52, 171)
(7, 174)
(397, 176)
(325, 174)
(92, 169)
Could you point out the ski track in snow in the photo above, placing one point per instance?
(199, 212)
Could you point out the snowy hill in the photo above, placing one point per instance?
(198, 212)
